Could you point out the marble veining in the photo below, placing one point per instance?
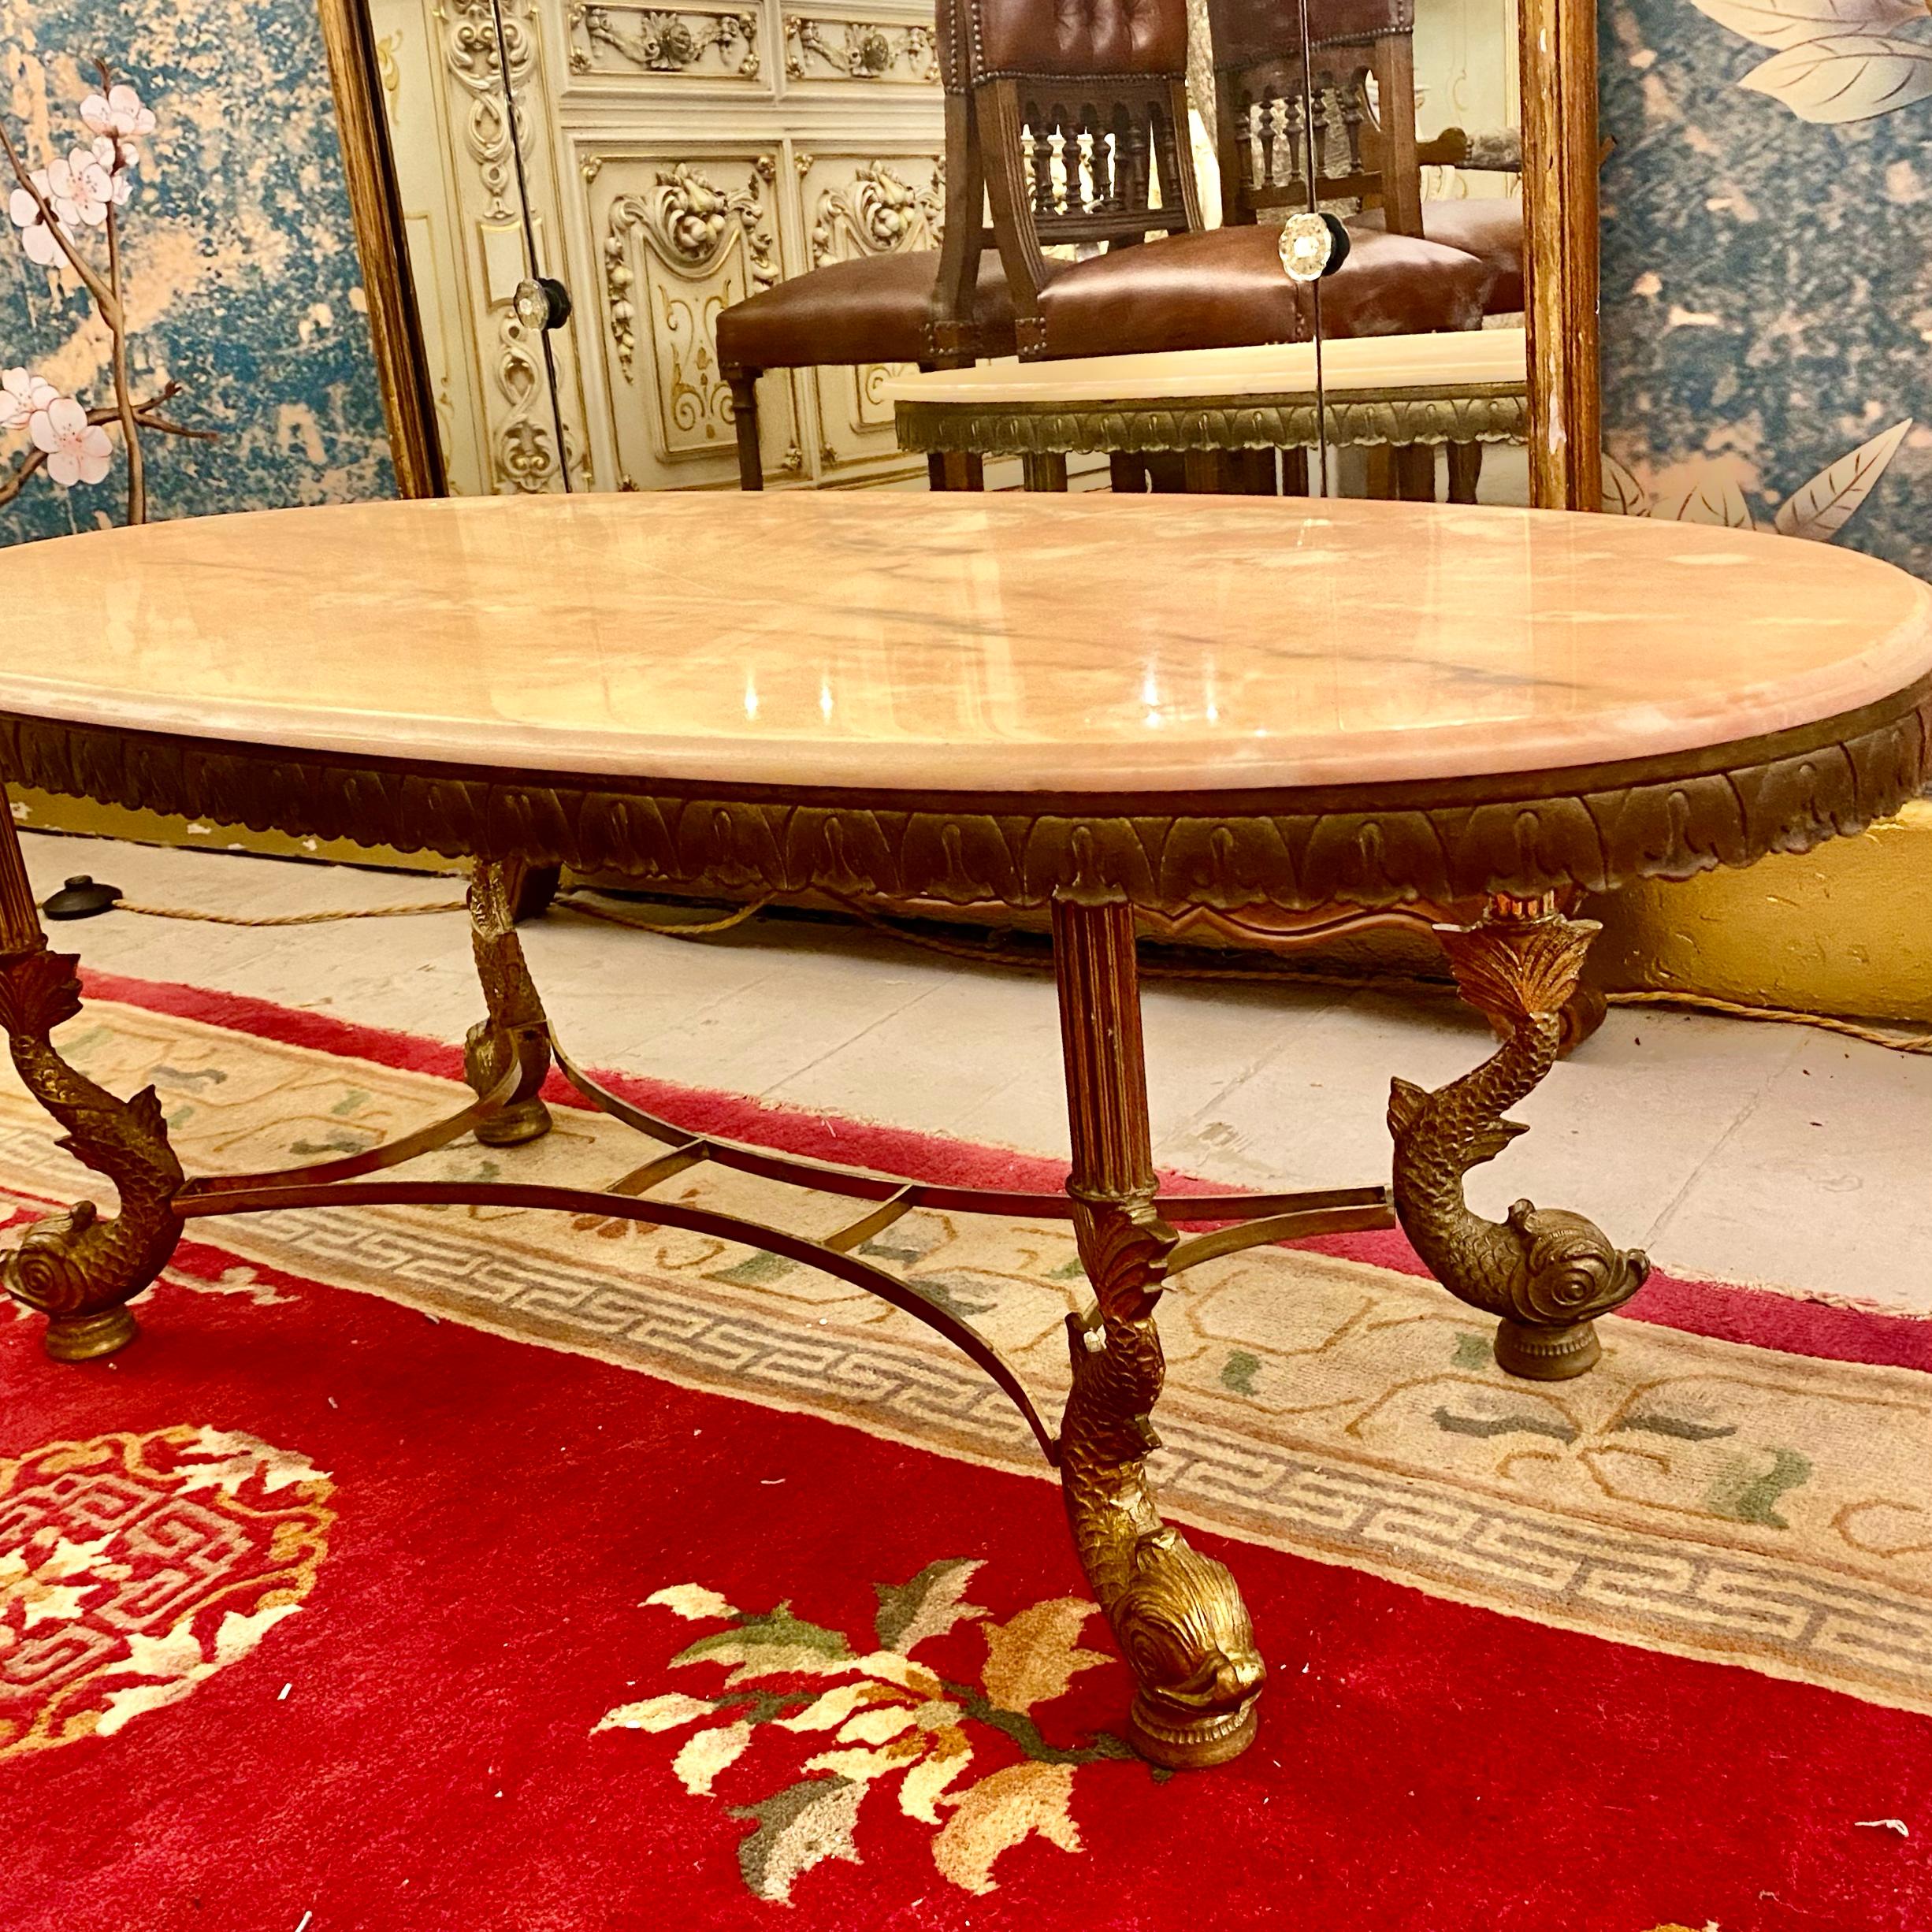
(1020, 643)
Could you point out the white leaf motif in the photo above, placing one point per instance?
(922, 1787)
(124, 1704)
(239, 1457)
(1845, 77)
(239, 1635)
(830, 1710)
(173, 1656)
(71, 1558)
(1825, 505)
(929, 1606)
(1716, 500)
(878, 1725)
(57, 1603)
(706, 1754)
(654, 1713)
(691, 1601)
(1791, 23)
(859, 1765)
(176, 1660)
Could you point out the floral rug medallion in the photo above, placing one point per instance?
(133, 1568)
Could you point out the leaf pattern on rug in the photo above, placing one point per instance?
(1032, 1658)
(1000, 1811)
(889, 1718)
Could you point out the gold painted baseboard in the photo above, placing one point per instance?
(1843, 929)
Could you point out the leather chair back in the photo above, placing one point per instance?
(982, 40)
(1260, 129)
(1080, 110)
(1248, 32)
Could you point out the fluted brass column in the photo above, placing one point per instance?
(1177, 1614)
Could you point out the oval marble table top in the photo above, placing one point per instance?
(966, 644)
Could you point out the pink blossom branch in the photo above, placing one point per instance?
(11, 485)
(106, 294)
(130, 433)
(148, 414)
(105, 298)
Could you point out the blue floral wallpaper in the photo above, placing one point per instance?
(183, 216)
(1767, 266)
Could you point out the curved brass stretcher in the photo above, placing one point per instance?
(1177, 1613)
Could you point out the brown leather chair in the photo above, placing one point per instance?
(1260, 140)
(940, 308)
(1080, 109)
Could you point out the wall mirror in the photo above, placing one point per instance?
(1416, 139)
(559, 201)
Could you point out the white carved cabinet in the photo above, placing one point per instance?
(675, 160)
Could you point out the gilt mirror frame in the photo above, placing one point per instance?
(1558, 50)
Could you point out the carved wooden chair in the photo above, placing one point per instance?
(934, 308)
(1081, 109)
(1366, 150)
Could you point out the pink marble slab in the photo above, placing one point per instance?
(1012, 643)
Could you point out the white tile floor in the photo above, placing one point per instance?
(1732, 1151)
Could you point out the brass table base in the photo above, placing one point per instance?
(1176, 1613)
(83, 1338)
(1547, 1272)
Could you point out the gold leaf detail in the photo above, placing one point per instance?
(1530, 974)
(1032, 1658)
(999, 1812)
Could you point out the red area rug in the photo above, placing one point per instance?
(317, 1613)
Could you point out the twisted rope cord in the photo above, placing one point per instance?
(1040, 960)
(567, 902)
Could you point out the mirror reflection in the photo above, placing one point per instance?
(985, 246)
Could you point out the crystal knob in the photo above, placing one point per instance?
(542, 302)
(1313, 246)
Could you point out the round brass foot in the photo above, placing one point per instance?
(520, 1121)
(1547, 1354)
(82, 1338)
(1193, 1745)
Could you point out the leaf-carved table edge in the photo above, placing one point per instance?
(1595, 828)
